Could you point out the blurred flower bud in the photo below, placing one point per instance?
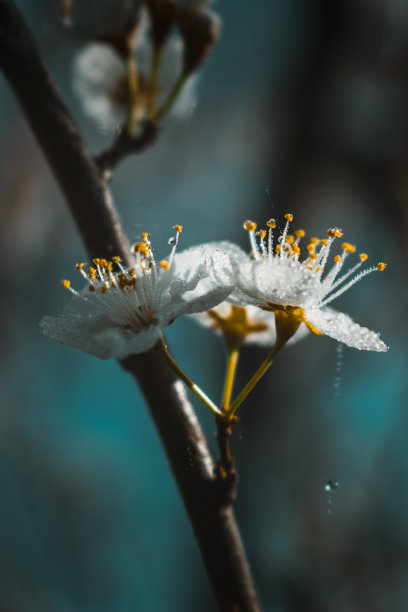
(200, 30)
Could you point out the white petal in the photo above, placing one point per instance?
(95, 335)
(121, 343)
(284, 282)
(194, 302)
(341, 327)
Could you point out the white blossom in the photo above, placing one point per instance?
(124, 310)
(100, 81)
(274, 278)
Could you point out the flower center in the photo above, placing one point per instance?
(235, 326)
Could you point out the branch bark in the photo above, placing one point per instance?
(83, 184)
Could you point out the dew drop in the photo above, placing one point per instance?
(171, 241)
(331, 485)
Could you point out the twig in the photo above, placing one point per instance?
(127, 143)
(90, 202)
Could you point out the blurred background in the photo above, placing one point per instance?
(301, 108)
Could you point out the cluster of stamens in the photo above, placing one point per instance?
(288, 248)
(106, 274)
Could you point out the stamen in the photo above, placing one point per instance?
(349, 248)
(337, 259)
(289, 218)
(347, 286)
(381, 266)
(363, 256)
(271, 223)
(250, 226)
(178, 228)
(299, 233)
(164, 264)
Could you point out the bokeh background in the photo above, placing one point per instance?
(302, 107)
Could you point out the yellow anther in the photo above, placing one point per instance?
(324, 241)
(312, 256)
(350, 248)
(97, 261)
(132, 272)
(363, 256)
(178, 228)
(290, 239)
(262, 234)
(296, 249)
(314, 240)
(116, 259)
(164, 264)
(66, 284)
(278, 248)
(144, 236)
(289, 217)
(381, 266)
(104, 263)
(80, 266)
(338, 233)
(250, 226)
(331, 233)
(310, 248)
(91, 273)
(299, 233)
(140, 247)
(271, 223)
(337, 259)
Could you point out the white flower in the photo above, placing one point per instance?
(274, 278)
(123, 311)
(101, 85)
(243, 324)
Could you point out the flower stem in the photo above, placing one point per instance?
(286, 326)
(255, 378)
(133, 84)
(232, 361)
(154, 79)
(172, 97)
(162, 350)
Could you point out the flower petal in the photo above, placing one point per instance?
(196, 302)
(341, 327)
(95, 335)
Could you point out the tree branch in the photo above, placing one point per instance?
(90, 202)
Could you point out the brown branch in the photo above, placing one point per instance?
(89, 200)
(126, 144)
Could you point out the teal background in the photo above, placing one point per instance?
(300, 110)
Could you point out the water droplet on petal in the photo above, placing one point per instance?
(171, 241)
